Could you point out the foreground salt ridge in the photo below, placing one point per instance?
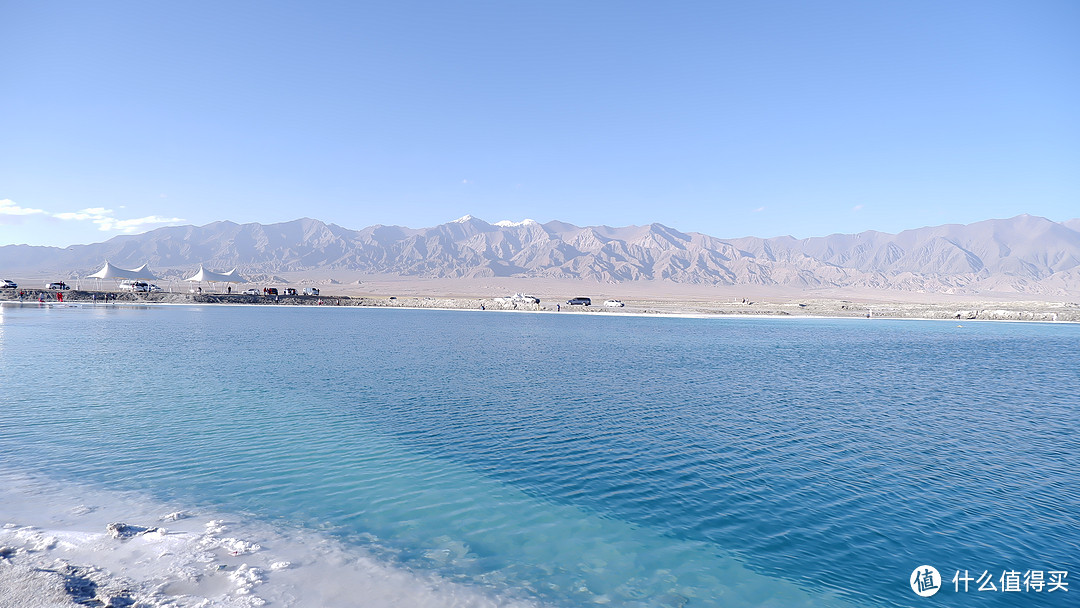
(67, 557)
(184, 559)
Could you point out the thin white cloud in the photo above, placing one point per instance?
(857, 208)
(11, 213)
(106, 222)
(759, 209)
(9, 207)
(94, 214)
(135, 224)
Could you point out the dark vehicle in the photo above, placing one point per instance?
(271, 291)
(288, 291)
(579, 301)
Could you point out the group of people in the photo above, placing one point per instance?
(42, 296)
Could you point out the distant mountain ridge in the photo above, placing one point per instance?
(1025, 254)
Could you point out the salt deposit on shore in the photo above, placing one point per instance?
(70, 546)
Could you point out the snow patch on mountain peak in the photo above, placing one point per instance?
(509, 224)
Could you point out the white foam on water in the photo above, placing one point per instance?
(57, 548)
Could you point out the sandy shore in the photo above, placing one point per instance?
(765, 307)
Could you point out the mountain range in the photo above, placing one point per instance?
(1023, 254)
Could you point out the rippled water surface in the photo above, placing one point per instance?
(581, 460)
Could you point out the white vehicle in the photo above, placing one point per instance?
(519, 297)
(252, 292)
(311, 291)
(9, 284)
(134, 286)
(614, 303)
(58, 285)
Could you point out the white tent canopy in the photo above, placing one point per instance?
(108, 271)
(208, 276)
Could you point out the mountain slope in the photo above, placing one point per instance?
(1022, 254)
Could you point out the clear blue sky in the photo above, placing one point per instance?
(730, 118)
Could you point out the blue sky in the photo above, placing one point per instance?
(729, 118)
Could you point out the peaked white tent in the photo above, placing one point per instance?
(108, 271)
(209, 276)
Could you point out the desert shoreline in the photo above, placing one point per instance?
(815, 307)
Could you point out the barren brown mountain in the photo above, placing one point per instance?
(1024, 254)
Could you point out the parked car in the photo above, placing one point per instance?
(271, 291)
(134, 286)
(311, 291)
(288, 291)
(154, 287)
(614, 303)
(579, 301)
(518, 298)
(57, 285)
(251, 292)
(9, 284)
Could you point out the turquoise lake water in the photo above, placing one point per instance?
(581, 460)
